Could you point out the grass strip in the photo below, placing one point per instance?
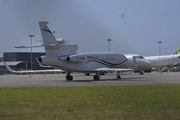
(160, 101)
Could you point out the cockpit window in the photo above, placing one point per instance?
(139, 57)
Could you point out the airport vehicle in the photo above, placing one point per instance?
(28, 71)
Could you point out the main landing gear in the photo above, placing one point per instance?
(96, 77)
(69, 77)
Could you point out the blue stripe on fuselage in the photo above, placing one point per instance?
(94, 59)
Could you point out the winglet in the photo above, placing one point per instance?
(177, 51)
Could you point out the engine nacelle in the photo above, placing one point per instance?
(62, 58)
(45, 60)
(76, 58)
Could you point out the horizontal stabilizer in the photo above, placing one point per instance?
(38, 45)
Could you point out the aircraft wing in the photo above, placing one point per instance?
(113, 69)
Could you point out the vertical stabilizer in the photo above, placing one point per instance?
(47, 35)
(51, 45)
(177, 51)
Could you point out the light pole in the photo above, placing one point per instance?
(159, 47)
(109, 40)
(31, 49)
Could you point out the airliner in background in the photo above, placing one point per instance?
(66, 58)
(29, 71)
(163, 60)
(175, 66)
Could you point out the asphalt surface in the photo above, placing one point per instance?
(48, 80)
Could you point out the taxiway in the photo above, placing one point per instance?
(48, 80)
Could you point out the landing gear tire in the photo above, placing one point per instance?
(141, 73)
(69, 78)
(96, 77)
(87, 74)
(118, 77)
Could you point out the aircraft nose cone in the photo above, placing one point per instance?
(145, 63)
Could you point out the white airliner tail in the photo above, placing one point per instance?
(49, 39)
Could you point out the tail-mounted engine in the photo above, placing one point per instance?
(75, 58)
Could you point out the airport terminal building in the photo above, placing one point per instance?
(20, 61)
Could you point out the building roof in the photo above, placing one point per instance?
(13, 63)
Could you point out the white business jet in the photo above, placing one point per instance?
(66, 58)
(28, 71)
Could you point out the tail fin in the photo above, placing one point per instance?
(177, 51)
(48, 38)
(47, 35)
(51, 45)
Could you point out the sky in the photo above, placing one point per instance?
(134, 26)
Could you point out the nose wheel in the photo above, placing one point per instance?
(118, 75)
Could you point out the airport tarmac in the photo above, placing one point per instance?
(48, 80)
